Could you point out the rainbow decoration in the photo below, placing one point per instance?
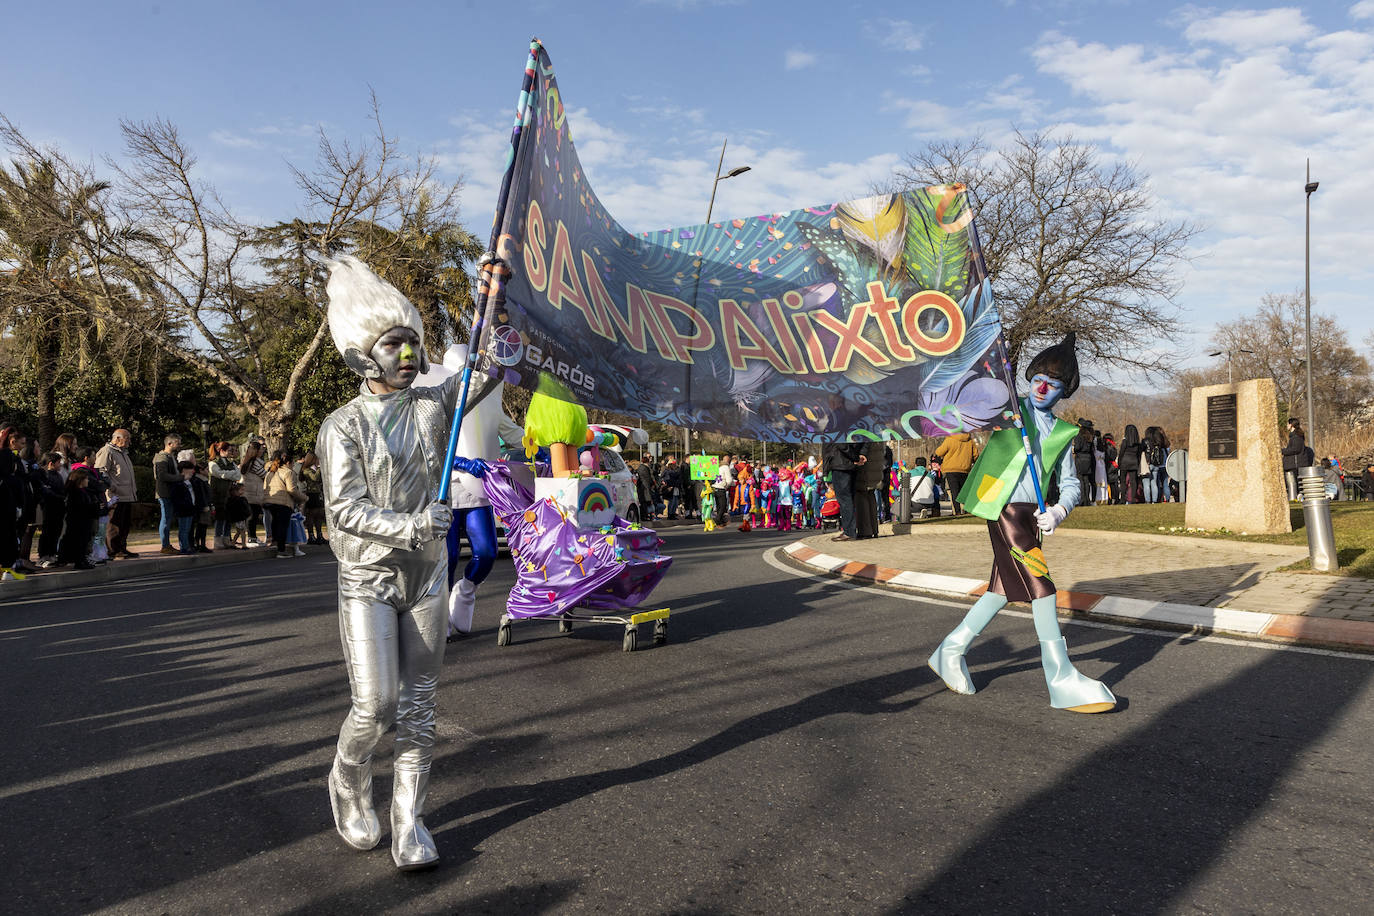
(595, 497)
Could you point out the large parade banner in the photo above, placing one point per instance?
(868, 318)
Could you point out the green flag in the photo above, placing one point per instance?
(994, 474)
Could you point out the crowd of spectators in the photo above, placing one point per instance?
(1127, 472)
(73, 506)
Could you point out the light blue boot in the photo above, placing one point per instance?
(948, 659)
(1068, 688)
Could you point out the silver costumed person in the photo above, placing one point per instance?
(382, 460)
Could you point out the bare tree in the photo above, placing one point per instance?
(1072, 243)
(166, 260)
(1275, 339)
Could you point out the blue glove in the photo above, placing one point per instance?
(474, 466)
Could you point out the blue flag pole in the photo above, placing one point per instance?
(1004, 364)
(491, 282)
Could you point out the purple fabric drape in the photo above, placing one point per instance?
(558, 566)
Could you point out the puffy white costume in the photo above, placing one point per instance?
(485, 424)
(382, 460)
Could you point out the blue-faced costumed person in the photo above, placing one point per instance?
(485, 426)
(1000, 489)
(381, 462)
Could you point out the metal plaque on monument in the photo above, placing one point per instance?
(1237, 481)
(1221, 427)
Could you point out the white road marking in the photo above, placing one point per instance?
(773, 561)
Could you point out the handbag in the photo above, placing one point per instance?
(295, 531)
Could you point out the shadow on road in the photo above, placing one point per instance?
(1126, 830)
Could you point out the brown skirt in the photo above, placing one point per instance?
(1019, 571)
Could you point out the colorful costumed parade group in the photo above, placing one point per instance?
(400, 596)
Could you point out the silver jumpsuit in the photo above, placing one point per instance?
(381, 457)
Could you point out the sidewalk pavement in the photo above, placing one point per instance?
(1194, 584)
(149, 562)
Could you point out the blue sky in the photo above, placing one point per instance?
(1220, 104)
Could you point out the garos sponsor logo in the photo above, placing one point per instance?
(573, 376)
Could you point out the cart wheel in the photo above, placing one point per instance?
(503, 633)
(631, 638)
(565, 626)
(660, 632)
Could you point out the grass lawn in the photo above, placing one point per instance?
(1353, 523)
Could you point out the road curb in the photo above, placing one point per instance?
(47, 582)
(1287, 628)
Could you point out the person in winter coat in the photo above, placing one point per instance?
(114, 463)
(1128, 460)
(165, 477)
(79, 520)
(12, 485)
(867, 484)
(1156, 451)
(308, 472)
(1085, 459)
(224, 473)
(670, 484)
(956, 454)
(1294, 456)
(646, 488)
(253, 465)
(842, 461)
(52, 497)
(283, 497)
(923, 489)
(184, 506)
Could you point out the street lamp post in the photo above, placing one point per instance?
(1230, 355)
(710, 207)
(1307, 296)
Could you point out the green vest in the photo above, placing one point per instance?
(994, 475)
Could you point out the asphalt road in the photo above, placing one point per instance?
(165, 743)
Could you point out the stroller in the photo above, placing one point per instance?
(830, 511)
(561, 566)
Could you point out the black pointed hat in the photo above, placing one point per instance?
(1058, 361)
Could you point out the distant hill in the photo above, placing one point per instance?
(1110, 410)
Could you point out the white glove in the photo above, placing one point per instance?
(1051, 518)
(433, 523)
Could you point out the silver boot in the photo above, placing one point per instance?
(411, 845)
(948, 659)
(1070, 689)
(350, 796)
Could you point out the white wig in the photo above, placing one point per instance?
(363, 307)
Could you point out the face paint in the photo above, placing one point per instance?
(395, 354)
(1045, 391)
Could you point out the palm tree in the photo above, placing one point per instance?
(40, 274)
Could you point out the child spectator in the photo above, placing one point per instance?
(80, 514)
(237, 512)
(52, 498)
(205, 513)
(308, 473)
(923, 493)
(183, 496)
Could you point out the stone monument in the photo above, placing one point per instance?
(1235, 471)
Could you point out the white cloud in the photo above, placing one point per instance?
(1250, 29)
(797, 59)
(895, 34)
(1225, 137)
(1362, 10)
(644, 190)
(234, 141)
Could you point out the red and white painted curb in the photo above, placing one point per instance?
(1315, 631)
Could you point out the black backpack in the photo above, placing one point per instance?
(1084, 461)
(1155, 455)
